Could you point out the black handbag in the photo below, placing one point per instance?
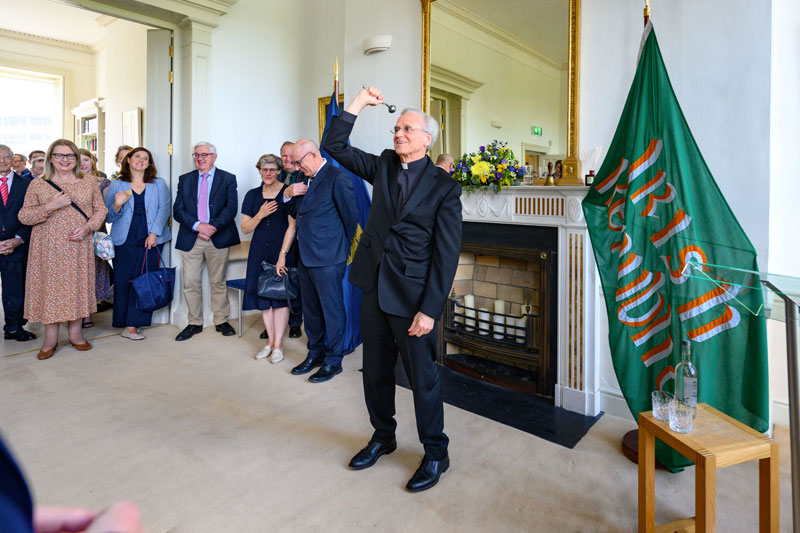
(275, 287)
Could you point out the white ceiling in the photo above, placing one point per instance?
(540, 23)
(52, 19)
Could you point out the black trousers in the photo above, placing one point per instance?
(296, 311)
(12, 276)
(323, 308)
(384, 335)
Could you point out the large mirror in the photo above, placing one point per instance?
(504, 70)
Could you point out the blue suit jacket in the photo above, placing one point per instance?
(327, 216)
(223, 204)
(9, 217)
(156, 203)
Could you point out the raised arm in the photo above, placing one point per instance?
(336, 144)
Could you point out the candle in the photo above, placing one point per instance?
(483, 322)
(469, 303)
(499, 320)
(520, 334)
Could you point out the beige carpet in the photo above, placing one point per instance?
(206, 439)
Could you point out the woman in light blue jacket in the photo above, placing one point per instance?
(138, 209)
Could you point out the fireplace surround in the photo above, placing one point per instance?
(557, 211)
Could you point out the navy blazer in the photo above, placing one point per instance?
(9, 215)
(223, 204)
(156, 204)
(327, 216)
(410, 255)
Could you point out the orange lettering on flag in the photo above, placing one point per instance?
(678, 223)
(647, 159)
(687, 254)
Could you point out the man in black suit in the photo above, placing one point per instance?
(327, 215)
(405, 264)
(206, 207)
(14, 238)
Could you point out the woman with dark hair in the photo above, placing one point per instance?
(138, 208)
(102, 271)
(264, 214)
(60, 275)
(122, 151)
(557, 170)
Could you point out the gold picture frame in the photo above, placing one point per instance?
(322, 103)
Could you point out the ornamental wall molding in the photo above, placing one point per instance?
(484, 26)
(47, 41)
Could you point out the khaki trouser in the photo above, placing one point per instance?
(217, 261)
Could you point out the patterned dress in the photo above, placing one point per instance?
(60, 282)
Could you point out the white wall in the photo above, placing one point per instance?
(270, 62)
(77, 68)
(720, 70)
(121, 80)
(396, 72)
(518, 89)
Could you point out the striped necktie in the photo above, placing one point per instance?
(4, 190)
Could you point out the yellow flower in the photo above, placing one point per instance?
(476, 159)
(481, 169)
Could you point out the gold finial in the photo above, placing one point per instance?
(646, 8)
(336, 68)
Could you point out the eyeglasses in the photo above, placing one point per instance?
(297, 163)
(68, 157)
(266, 169)
(5, 157)
(404, 129)
(202, 156)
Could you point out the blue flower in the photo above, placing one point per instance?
(482, 149)
(521, 171)
(504, 161)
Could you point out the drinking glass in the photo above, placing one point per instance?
(680, 416)
(661, 405)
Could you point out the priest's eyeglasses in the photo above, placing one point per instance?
(404, 129)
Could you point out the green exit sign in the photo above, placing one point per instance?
(536, 130)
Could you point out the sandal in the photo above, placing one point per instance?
(87, 324)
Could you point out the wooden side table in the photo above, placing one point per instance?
(716, 441)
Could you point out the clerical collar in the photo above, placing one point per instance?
(415, 166)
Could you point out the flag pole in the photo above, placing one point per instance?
(646, 12)
(336, 80)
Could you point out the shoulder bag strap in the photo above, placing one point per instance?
(59, 189)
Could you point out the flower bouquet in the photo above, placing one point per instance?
(491, 168)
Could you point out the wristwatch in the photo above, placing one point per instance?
(284, 252)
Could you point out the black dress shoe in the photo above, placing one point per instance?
(369, 455)
(295, 332)
(20, 335)
(427, 475)
(226, 329)
(325, 373)
(306, 366)
(263, 335)
(188, 332)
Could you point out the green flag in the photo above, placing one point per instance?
(653, 208)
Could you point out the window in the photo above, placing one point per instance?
(31, 109)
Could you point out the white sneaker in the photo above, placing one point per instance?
(264, 353)
(277, 356)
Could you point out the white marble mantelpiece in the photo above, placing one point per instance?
(559, 207)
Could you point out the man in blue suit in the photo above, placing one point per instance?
(14, 238)
(206, 207)
(327, 215)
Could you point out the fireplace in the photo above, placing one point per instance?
(562, 330)
(512, 345)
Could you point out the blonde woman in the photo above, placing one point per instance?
(60, 274)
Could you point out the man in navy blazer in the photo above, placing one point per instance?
(14, 238)
(404, 265)
(206, 207)
(327, 215)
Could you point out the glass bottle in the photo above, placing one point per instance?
(686, 377)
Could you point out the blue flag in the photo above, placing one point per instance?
(352, 294)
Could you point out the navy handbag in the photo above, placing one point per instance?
(154, 288)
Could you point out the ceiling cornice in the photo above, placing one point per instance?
(38, 39)
(476, 21)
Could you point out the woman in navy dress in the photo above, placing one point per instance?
(138, 209)
(264, 214)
